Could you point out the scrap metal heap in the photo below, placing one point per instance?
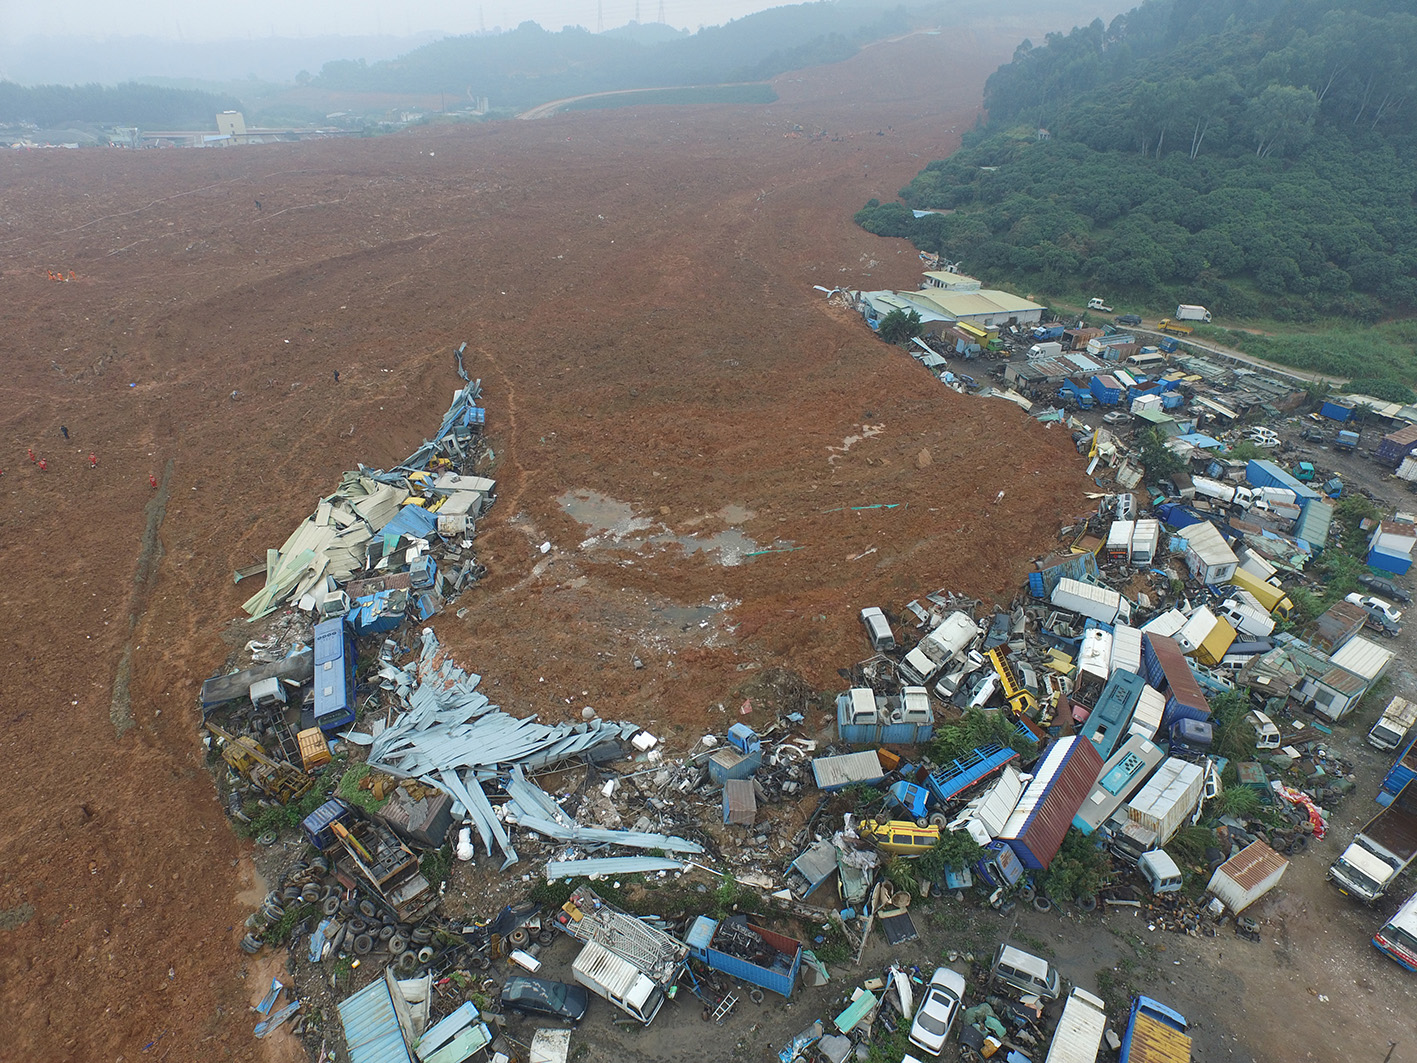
(588, 918)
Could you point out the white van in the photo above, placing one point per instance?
(1246, 618)
(1025, 972)
(878, 629)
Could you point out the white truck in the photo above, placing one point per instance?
(950, 638)
(1191, 312)
(1247, 617)
(1051, 349)
(1100, 603)
(1078, 1037)
(1382, 850)
(1396, 723)
(625, 960)
(1222, 492)
(618, 981)
(1098, 304)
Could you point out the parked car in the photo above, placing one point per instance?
(1265, 438)
(1376, 605)
(1114, 417)
(1386, 587)
(1313, 434)
(1129, 319)
(937, 1011)
(540, 996)
(1026, 973)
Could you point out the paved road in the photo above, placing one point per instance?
(1234, 355)
(546, 110)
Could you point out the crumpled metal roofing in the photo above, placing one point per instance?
(371, 1026)
(452, 737)
(610, 865)
(535, 809)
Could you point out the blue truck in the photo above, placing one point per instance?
(746, 952)
(1044, 333)
(1154, 1034)
(952, 780)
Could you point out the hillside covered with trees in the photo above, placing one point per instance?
(1255, 156)
(530, 65)
(132, 103)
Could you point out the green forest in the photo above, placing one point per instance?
(1253, 156)
(531, 65)
(129, 104)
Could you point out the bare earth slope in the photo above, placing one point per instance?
(636, 291)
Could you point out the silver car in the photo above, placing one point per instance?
(937, 1011)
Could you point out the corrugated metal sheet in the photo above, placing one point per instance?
(371, 1026)
(610, 865)
(740, 803)
(1363, 657)
(833, 773)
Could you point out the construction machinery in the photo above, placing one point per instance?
(249, 759)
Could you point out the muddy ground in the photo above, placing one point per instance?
(636, 291)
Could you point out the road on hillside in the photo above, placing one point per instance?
(546, 110)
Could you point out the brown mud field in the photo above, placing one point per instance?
(636, 291)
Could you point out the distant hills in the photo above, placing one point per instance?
(1256, 156)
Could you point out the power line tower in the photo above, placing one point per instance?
(661, 12)
(637, 12)
(599, 16)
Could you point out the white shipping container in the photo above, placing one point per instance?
(1165, 803)
(985, 816)
(1195, 630)
(1247, 876)
(1208, 555)
(1087, 599)
(1408, 469)
(1167, 623)
(1146, 718)
(1126, 650)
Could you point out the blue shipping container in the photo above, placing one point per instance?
(1397, 564)
(710, 941)
(1261, 472)
(1334, 412)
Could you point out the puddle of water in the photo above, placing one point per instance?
(731, 545)
(603, 514)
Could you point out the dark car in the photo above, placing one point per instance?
(539, 996)
(1386, 587)
(1128, 319)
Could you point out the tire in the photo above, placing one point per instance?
(358, 926)
(363, 945)
(1027, 894)
(290, 894)
(425, 954)
(331, 906)
(310, 894)
(1299, 844)
(385, 933)
(938, 819)
(1042, 904)
(347, 907)
(421, 935)
(251, 944)
(397, 945)
(519, 938)
(482, 961)
(406, 962)
(367, 909)
(755, 995)
(268, 839)
(1088, 903)
(546, 935)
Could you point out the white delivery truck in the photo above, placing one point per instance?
(618, 981)
(1396, 722)
(1051, 349)
(939, 648)
(1087, 599)
(1191, 312)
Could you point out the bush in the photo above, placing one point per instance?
(1077, 870)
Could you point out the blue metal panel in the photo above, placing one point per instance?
(317, 824)
(1106, 725)
(700, 934)
(1334, 412)
(371, 1028)
(1397, 564)
(414, 521)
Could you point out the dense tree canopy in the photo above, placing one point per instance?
(130, 104)
(1255, 156)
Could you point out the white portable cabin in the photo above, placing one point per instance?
(1208, 555)
(1165, 803)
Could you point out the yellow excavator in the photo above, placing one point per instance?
(247, 757)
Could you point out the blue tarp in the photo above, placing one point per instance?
(411, 520)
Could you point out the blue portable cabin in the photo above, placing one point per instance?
(952, 780)
(1106, 724)
(908, 719)
(378, 612)
(858, 719)
(740, 759)
(1081, 566)
(335, 658)
(1106, 389)
(318, 826)
(1335, 411)
(1261, 472)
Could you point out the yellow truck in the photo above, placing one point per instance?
(1175, 328)
(1267, 594)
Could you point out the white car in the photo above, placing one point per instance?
(1265, 438)
(1376, 605)
(937, 1011)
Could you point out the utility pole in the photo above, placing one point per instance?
(661, 12)
(599, 16)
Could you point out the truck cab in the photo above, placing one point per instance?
(1160, 871)
(1098, 304)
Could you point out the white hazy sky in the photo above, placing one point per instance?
(205, 20)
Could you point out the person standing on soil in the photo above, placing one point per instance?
(152, 481)
(336, 376)
(64, 431)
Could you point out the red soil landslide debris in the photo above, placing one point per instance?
(636, 290)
